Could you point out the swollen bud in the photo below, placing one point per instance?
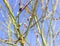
(20, 8)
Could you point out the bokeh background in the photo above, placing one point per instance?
(40, 20)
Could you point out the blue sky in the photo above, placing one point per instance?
(24, 15)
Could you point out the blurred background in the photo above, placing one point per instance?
(29, 23)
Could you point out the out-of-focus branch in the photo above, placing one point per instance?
(56, 34)
(54, 6)
(7, 42)
(9, 8)
(22, 8)
(11, 16)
